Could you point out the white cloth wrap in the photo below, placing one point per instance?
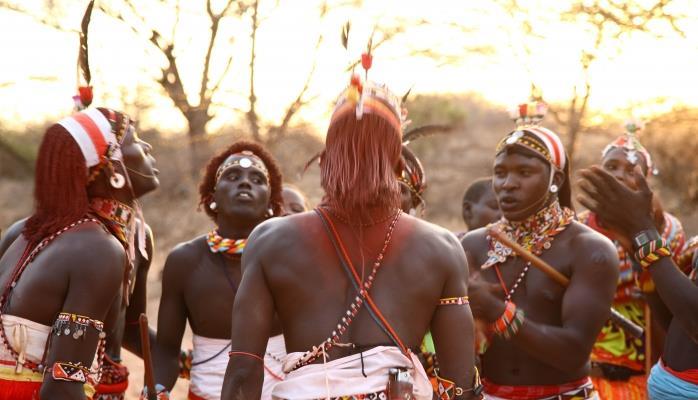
(207, 378)
(26, 337)
(344, 377)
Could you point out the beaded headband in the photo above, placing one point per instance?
(369, 98)
(631, 145)
(98, 137)
(530, 135)
(247, 159)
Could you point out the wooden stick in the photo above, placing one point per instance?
(648, 340)
(147, 359)
(621, 321)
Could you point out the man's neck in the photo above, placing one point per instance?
(235, 228)
(101, 189)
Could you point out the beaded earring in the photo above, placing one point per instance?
(213, 206)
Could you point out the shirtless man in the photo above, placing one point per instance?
(124, 332)
(621, 361)
(90, 168)
(295, 201)
(541, 334)
(406, 266)
(240, 189)
(629, 213)
(480, 206)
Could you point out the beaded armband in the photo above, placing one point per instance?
(67, 371)
(185, 363)
(68, 323)
(447, 390)
(462, 300)
(509, 323)
(651, 252)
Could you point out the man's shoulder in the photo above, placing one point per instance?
(188, 251)
(475, 240)
(590, 245)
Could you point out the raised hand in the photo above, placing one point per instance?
(621, 209)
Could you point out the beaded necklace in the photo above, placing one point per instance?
(120, 220)
(344, 220)
(117, 216)
(535, 234)
(342, 326)
(229, 247)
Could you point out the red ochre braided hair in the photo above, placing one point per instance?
(208, 183)
(62, 179)
(360, 163)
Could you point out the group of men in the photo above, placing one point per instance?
(338, 302)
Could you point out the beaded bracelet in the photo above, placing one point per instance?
(509, 323)
(70, 372)
(652, 252)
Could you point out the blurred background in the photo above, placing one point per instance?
(198, 75)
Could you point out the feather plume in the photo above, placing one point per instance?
(310, 162)
(83, 60)
(405, 96)
(345, 35)
(426, 130)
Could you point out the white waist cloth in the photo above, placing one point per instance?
(26, 337)
(207, 378)
(344, 376)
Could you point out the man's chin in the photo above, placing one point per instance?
(244, 212)
(518, 214)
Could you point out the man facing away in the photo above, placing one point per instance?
(356, 283)
(540, 333)
(69, 275)
(240, 189)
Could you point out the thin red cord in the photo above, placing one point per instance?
(244, 353)
(403, 348)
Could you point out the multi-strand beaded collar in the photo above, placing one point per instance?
(228, 247)
(535, 233)
(118, 218)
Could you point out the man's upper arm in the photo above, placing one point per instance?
(452, 325)
(172, 313)
(95, 281)
(587, 300)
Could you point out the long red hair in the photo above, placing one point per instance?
(61, 180)
(359, 166)
(60, 185)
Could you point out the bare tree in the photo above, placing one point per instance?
(608, 23)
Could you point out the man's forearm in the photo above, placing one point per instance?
(552, 345)
(166, 367)
(678, 293)
(243, 380)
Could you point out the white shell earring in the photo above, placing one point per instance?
(117, 180)
(213, 205)
(553, 189)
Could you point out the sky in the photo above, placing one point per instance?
(38, 67)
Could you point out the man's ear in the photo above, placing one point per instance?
(558, 178)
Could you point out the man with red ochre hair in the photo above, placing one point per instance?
(67, 278)
(241, 188)
(356, 283)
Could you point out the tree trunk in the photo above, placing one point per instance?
(200, 151)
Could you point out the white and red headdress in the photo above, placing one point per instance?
(529, 134)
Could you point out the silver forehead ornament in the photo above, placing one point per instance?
(514, 137)
(245, 162)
